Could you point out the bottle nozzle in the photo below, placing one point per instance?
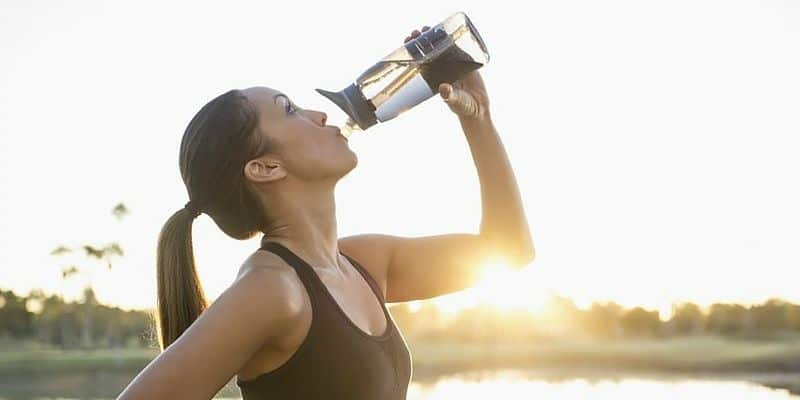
(353, 103)
(349, 127)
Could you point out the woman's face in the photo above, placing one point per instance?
(305, 147)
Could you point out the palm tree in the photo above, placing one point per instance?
(105, 254)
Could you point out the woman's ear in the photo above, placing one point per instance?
(262, 170)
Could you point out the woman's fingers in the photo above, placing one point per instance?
(445, 90)
(459, 101)
(415, 33)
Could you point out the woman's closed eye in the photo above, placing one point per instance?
(290, 108)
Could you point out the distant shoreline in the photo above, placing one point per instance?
(771, 363)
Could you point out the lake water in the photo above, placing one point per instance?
(502, 384)
(518, 385)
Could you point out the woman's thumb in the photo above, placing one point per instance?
(446, 91)
(459, 101)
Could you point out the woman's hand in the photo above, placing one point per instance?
(466, 97)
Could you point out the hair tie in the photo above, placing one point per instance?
(194, 211)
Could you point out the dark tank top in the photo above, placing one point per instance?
(336, 360)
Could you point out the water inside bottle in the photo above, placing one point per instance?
(411, 74)
(396, 86)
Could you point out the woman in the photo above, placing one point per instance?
(306, 317)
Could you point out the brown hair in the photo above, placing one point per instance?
(216, 145)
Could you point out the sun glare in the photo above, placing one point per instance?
(501, 287)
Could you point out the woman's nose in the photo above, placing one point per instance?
(319, 117)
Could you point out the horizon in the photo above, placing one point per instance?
(449, 308)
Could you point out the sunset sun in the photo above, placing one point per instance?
(499, 286)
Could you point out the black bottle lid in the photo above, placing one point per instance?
(353, 102)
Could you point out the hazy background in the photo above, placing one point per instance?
(655, 145)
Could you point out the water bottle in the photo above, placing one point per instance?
(411, 74)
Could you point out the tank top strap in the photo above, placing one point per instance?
(368, 277)
(294, 261)
(298, 264)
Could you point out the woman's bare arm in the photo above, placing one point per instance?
(417, 268)
(261, 305)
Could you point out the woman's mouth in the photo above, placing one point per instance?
(339, 133)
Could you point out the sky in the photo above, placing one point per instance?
(655, 143)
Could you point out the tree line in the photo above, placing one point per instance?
(53, 322)
(85, 323)
(561, 318)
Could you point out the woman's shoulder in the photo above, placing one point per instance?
(274, 282)
(266, 261)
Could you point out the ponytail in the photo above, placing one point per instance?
(180, 294)
(216, 185)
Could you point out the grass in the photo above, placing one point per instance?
(43, 361)
(686, 354)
